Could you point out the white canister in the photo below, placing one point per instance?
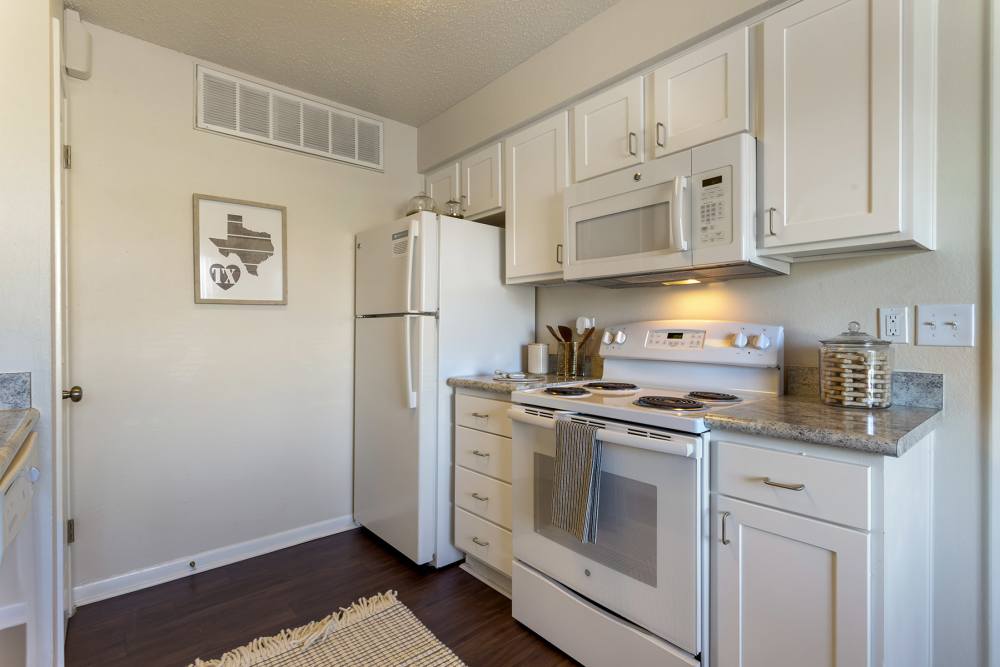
(538, 358)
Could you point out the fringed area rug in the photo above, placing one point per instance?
(379, 630)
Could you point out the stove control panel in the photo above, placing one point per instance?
(697, 341)
(672, 339)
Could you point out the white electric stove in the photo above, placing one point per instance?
(641, 589)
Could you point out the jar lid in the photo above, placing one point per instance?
(855, 336)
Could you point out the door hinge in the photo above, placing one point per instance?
(67, 156)
(71, 531)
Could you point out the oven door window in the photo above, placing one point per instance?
(626, 522)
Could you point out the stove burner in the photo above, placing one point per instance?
(572, 392)
(714, 396)
(669, 403)
(612, 386)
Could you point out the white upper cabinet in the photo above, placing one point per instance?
(702, 96)
(443, 184)
(788, 591)
(608, 130)
(847, 141)
(537, 163)
(482, 174)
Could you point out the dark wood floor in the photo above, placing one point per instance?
(208, 613)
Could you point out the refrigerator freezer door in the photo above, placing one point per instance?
(395, 431)
(396, 267)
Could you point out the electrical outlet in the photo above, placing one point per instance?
(952, 325)
(894, 324)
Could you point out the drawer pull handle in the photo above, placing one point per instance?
(480, 498)
(480, 415)
(782, 485)
(484, 455)
(725, 538)
(662, 143)
(480, 542)
(633, 143)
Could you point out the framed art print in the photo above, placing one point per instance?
(239, 252)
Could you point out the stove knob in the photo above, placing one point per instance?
(740, 340)
(607, 338)
(620, 336)
(761, 341)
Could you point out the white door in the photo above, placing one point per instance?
(608, 130)
(395, 267)
(482, 175)
(830, 141)
(395, 446)
(62, 482)
(787, 591)
(535, 178)
(443, 184)
(702, 96)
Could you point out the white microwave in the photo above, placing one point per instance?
(686, 217)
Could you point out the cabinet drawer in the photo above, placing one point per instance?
(484, 540)
(820, 488)
(484, 496)
(485, 453)
(482, 414)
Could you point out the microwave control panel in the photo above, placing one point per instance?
(712, 203)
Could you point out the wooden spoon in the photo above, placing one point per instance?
(566, 332)
(586, 335)
(553, 332)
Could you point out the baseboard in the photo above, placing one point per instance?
(206, 560)
(12, 615)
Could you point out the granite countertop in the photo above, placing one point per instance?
(487, 383)
(891, 431)
(14, 428)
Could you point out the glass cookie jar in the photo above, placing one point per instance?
(856, 370)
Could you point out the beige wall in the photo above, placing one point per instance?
(625, 37)
(818, 299)
(204, 425)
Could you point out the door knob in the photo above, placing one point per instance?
(75, 394)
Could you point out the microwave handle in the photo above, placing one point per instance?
(677, 238)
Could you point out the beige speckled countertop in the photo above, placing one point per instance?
(891, 431)
(15, 425)
(487, 383)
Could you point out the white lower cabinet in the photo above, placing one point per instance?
(790, 591)
(483, 502)
(820, 555)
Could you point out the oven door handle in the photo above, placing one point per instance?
(519, 415)
(690, 449)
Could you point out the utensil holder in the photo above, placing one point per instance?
(568, 358)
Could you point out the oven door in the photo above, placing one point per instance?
(630, 222)
(646, 565)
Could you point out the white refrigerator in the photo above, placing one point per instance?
(430, 304)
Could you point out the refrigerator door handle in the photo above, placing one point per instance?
(411, 395)
(411, 251)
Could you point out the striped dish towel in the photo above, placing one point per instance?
(576, 487)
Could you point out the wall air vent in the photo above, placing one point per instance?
(242, 108)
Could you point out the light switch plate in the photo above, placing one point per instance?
(952, 325)
(894, 324)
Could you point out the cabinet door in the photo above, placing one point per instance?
(481, 181)
(787, 591)
(608, 130)
(442, 184)
(535, 177)
(830, 140)
(702, 96)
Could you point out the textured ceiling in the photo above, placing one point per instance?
(404, 59)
